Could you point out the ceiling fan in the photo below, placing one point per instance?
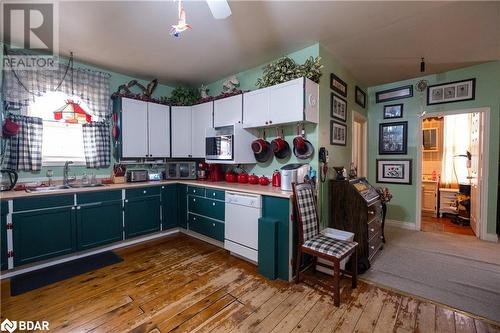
(219, 8)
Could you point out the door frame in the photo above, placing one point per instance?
(364, 131)
(485, 151)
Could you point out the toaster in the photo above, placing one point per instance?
(134, 176)
(293, 173)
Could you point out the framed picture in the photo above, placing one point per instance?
(338, 133)
(393, 138)
(393, 94)
(338, 107)
(393, 111)
(457, 91)
(338, 85)
(394, 171)
(360, 97)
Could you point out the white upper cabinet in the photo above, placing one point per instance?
(181, 131)
(134, 129)
(256, 108)
(201, 119)
(228, 111)
(159, 130)
(284, 103)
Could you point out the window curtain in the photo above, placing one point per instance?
(456, 139)
(24, 150)
(96, 144)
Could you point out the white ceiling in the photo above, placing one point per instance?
(377, 41)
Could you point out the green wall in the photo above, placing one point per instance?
(403, 205)
(247, 79)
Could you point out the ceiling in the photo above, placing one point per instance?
(377, 42)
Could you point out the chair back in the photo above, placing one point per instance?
(306, 210)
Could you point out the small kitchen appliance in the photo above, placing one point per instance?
(293, 173)
(276, 178)
(229, 145)
(215, 173)
(202, 172)
(9, 179)
(134, 176)
(180, 170)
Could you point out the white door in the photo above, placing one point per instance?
(202, 118)
(286, 102)
(476, 172)
(359, 153)
(181, 131)
(228, 111)
(134, 128)
(159, 130)
(256, 108)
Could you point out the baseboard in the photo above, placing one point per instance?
(491, 237)
(401, 224)
(201, 237)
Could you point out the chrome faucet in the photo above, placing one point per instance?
(66, 178)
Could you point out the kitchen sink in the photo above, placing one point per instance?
(85, 185)
(48, 188)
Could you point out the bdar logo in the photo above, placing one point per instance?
(8, 325)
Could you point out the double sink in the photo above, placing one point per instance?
(61, 187)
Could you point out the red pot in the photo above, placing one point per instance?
(253, 179)
(231, 177)
(243, 178)
(264, 181)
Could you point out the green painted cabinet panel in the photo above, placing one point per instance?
(92, 197)
(169, 206)
(3, 235)
(215, 194)
(196, 190)
(206, 207)
(142, 216)
(99, 224)
(142, 192)
(268, 247)
(43, 234)
(279, 209)
(182, 205)
(41, 202)
(205, 226)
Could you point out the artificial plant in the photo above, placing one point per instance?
(286, 69)
(183, 95)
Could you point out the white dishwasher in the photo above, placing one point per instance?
(242, 224)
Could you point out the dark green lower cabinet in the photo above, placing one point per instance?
(99, 223)
(182, 202)
(3, 235)
(43, 234)
(169, 204)
(142, 216)
(205, 226)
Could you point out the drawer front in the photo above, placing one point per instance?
(215, 194)
(206, 207)
(196, 190)
(142, 192)
(90, 197)
(374, 210)
(374, 244)
(205, 226)
(41, 202)
(374, 227)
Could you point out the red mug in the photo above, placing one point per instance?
(259, 146)
(278, 145)
(300, 144)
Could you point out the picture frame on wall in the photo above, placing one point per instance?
(393, 138)
(360, 97)
(338, 107)
(392, 111)
(338, 133)
(338, 85)
(450, 92)
(394, 94)
(394, 171)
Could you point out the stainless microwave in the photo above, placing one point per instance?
(219, 143)
(180, 170)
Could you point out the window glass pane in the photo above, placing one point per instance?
(62, 142)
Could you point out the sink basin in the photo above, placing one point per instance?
(85, 185)
(48, 188)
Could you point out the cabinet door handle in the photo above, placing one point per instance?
(267, 122)
(126, 200)
(372, 230)
(371, 212)
(78, 207)
(194, 191)
(163, 187)
(194, 218)
(194, 200)
(144, 191)
(372, 247)
(213, 194)
(213, 224)
(72, 208)
(213, 204)
(270, 121)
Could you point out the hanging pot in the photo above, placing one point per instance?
(302, 148)
(10, 128)
(280, 147)
(262, 149)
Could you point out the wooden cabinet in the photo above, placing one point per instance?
(201, 119)
(169, 206)
(429, 197)
(142, 212)
(3, 235)
(205, 211)
(181, 131)
(208, 227)
(43, 234)
(182, 202)
(284, 103)
(228, 111)
(145, 129)
(448, 201)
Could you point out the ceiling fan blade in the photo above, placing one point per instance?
(219, 8)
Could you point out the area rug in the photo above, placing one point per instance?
(456, 270)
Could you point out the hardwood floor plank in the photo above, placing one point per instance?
(350, 318)
(288, 323)
(316, 314)
(407, 315)
(388, 314)
(445, 320)
(426, 318)
(484, 327)
(371, 312)
(464, 324)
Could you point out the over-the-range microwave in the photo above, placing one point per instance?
(180, 170)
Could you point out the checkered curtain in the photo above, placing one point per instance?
(91, 86)
(24, 150)
(96, 144)
(307, 209)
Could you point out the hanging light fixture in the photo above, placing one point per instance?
(181, 25)
(422, 65)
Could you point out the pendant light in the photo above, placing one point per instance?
(422, 65)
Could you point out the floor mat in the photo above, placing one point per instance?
(37, 279)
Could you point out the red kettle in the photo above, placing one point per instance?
(276, 178)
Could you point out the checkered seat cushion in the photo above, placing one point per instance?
(326, 245)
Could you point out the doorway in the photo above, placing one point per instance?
(359, 153)
(451, 172)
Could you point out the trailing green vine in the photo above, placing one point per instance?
(286, 69)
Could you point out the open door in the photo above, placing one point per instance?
(359, 144)
(476, 171)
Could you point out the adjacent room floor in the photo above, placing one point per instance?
(445, 224)
(182, 284)
(460, 271)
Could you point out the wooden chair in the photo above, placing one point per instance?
(311, 241)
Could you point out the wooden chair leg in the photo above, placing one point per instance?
(336, 282)
(354, 264)
(297, 265)
(315, 262)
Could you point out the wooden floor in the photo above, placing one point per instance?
(445, 224)
(184, 285)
